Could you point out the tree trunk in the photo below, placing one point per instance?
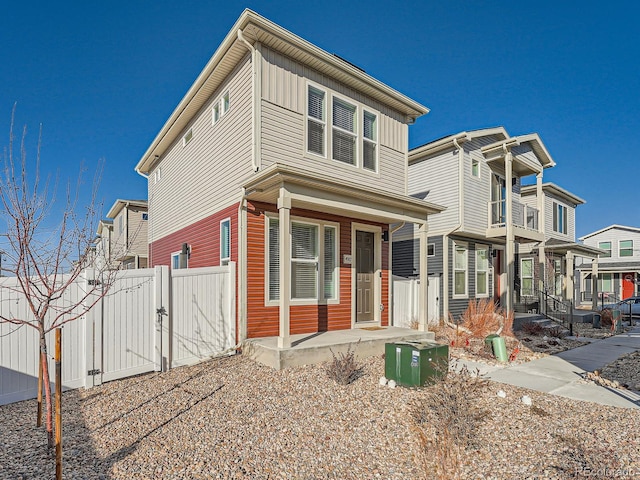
(47, 389)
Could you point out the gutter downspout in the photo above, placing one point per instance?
(391, 232)
(445, 237)
(241, 270)
(256, 106)
(150, 230)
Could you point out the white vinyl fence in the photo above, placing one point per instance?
(406, 301)
(150, 319)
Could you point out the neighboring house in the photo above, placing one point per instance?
(102, 245)
(555, 274)
(127, 245)
(477, 175)
(617, 272)
(290, 162)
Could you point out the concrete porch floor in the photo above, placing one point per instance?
(311, 348)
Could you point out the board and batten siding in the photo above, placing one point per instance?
(438, 175)
(570, 236)
(263, 319)
(200, 178)
(284, 90)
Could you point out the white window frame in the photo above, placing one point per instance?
(522, 277)
(475, 163)
(224, 260)
(485, 271)
(620, 255)
(465, 246)
(186, 139)
(360, 111)
(431, 246)
(560, 218)
(610, 249)
(355, 135)
(175, 256)
(220, 107)
(319, 300)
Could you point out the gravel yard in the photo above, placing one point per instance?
(233, 418)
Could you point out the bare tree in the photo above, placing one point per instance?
(47, 252)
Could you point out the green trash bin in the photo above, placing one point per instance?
(596, 320)
(415, 364)
(497, 346)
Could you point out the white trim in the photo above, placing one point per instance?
(620, 248)
(532, 277)
(220, 107)
(434, 249)
(377, 299)
(226, 260)
(324, 122)
(187, 137)
(486, 272)
(319, 300)
(455, 295)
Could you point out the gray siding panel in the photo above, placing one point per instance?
(206, 175)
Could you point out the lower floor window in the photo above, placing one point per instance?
(482, 271)
(313, 268)
(526, 277)
(460, 269)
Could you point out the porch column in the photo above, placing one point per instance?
(284, 234)
(569, 277)
(594, 284)
(541, 228)
(423, 302)
(510, 243)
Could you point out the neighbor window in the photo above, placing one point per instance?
(626, 248)
(559, 218)
(526, 277)
(316, 112)
(605, 283)
(369, 139)
(175, 260)
(460, 270)
(187, 137)
(558, 276)
(220, 107)
(482, 271)
(314, 261)
(225, 241)
(431, 250)
(606, 246)
(344, 131)
(475, 167)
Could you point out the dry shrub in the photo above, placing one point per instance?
(606, 317)
(484, 317)
(343, 368)
(581, 460)
(532, 328)
(446, 419)
(556, 331)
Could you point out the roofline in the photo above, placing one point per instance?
(546, 161)
(119, 204)
(623, 227)
(248, 17)
(443, 143)
(555, 189)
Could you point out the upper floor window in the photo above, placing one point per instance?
(187, 137)
(353, 134)
(475, 167)
(220, 107)
(225, 241)
(559, 218)
(606, 246)
(431, 250)
(179, 260)
(316, 111)
(626, 248)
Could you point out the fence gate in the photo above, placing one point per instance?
(406, 301)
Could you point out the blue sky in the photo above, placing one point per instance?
(103, 77)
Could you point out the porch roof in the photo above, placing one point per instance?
(581, 249)
(522, 166)
(336, 197)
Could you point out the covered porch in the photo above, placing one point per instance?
(311, 348)
(347, 284)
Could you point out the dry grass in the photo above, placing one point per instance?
(484, 317)
(532, 328)
(446, 419)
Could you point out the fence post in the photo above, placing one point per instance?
(232, 303)
(162, 309)
(93, 336)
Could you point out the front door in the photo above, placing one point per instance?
(628, 285)
(365, 281)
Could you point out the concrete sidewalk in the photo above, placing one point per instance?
(562, 373)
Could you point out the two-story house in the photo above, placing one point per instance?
(126, 245)
(477, 176)
(617, 273)
(549, 266)
(290, 162)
